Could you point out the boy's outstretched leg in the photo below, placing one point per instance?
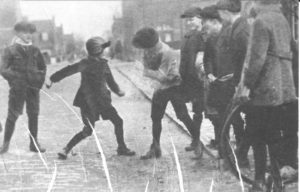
(118, 124)
(86, 132)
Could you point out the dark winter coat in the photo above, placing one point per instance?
(193, 43)
(268, 69)
(23, 66)
(93, 93)
(217, 57)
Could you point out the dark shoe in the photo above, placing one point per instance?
(63, 154)
(4, 148)
(36, 148)
(154, 152)
(199, 150)
(192, 146)
(125, 151)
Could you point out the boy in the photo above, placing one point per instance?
(24, 69)
(93, 98)
(161, 64)
(192, 86)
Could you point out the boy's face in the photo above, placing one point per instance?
(194, 23)
(211, 26)
(25, 36)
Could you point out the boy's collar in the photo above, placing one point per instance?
(18, 40)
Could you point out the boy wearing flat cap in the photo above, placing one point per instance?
(161, 64)
(24, 69)
(93, 97)
(236, 43)
(190, 62)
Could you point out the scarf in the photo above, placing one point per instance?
(18, 40)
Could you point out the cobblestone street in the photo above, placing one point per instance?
(22, 170)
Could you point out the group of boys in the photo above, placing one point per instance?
(247, 59)
(252, 66)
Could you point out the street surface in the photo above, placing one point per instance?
(21, 170)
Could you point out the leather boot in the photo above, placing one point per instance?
(154, 152)
(4, 148)
(9, 130)
(123, 150)
(33, 128)
(64, 153)
(36, 147)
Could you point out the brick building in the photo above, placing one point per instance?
(49, 38)
(163, 15)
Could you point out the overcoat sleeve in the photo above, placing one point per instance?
(67, 71)
(5, 70)
(240, 55)
(41, 62)
(112, 84)
(258, 48)
(172, 73)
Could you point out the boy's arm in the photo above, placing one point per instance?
(41, 62)
(257, 53)
(112, 84)
(172, 73)
(154, 74)
(5, 71)
(67, 71)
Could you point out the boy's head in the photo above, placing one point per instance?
(193, 19)
(96, 45)
(228, 8)
(145, 38)
(148, 39)
(24, 30)
(211, 20)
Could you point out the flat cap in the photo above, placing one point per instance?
(210, 12)
(25, 27)
(234, 6)
(192, 12)
(145, 38)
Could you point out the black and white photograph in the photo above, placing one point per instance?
(149, 95)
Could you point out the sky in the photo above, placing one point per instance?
(83, 18)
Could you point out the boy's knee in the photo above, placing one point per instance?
(87, 131)
(13, 116)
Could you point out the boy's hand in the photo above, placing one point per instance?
(49, 84)
(121, 93)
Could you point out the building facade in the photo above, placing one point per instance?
(10, 13)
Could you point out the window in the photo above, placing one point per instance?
(45, 36)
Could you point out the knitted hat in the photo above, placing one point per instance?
(96, 45)
(145, 38)
(210, 12)
(230, 5)
(25, 26)
(192, 12)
